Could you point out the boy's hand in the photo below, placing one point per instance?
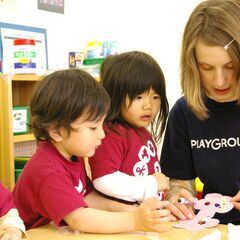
(151, 216)
(163, 182)
(236, 201)
(11, 233)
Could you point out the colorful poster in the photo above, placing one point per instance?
(10, 32)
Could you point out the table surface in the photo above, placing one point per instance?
(50, 232)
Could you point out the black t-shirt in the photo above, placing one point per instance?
(208, 149)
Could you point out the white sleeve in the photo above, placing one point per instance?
(125, 187)
(12, 219)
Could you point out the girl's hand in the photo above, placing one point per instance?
(11, 233)
(152, 214)
(236, 201)
(162, 181)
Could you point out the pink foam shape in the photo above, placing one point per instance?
(211, 204)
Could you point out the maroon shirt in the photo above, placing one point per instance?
(50, 187)
(6, 201)
(129, 151)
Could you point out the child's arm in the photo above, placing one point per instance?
(11, 226)
(95, 200)
(11, 233)
(148, 217)
(131, 188)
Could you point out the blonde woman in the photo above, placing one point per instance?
(203, 132)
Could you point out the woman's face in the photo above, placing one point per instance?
(217, 72)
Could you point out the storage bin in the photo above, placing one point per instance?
(93, 61)
(92, 66)
(19, 165)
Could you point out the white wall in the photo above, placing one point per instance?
(153, 26)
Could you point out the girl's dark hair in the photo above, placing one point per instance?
(130, 74)
(62, 97)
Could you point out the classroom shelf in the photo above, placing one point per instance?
(15, 90)
(26, 77)
(23, 137)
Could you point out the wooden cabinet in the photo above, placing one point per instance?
(15, 90)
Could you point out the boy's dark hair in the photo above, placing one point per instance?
(62, 97)
(130, 74)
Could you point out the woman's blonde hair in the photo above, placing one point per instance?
(214, 22)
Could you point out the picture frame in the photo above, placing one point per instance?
(9, 32)
(56, 6)
(75, 59)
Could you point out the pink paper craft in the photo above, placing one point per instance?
(211, 204)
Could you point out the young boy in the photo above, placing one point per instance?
(11, 225)
(67, 112)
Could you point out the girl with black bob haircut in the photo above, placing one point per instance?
(126, 166)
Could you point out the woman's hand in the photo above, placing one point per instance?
(152, 214)
(236, 201)
(11, 233)
(181, 211)
(181, 189)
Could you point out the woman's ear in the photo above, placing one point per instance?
(55, 134)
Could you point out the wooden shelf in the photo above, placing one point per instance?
(15, 90)
(23, 137)
(26, 77)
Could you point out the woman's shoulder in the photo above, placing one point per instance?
(180, 103)
(181, 110)
(180, 106)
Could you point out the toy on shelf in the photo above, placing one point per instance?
(75, 59)
(20, 119)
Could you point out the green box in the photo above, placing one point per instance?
(93, 61)
(92, 66)
(19, 165)
(20, 118)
